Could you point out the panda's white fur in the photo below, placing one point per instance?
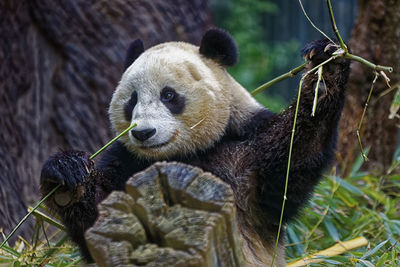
(215, 102)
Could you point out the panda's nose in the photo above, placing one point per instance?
(143, 135)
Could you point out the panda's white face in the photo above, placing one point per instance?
(176, 98)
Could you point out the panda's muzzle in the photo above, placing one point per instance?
(143, 135)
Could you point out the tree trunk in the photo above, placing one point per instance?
(375, 37)
(60, 62)
(171, 214)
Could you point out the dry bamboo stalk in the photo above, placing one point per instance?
(339, 248)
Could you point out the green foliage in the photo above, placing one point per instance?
(343, 209)
(41, 251)
(258, 59)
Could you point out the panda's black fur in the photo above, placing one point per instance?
(262, 148)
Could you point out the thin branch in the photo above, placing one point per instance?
(113, 140)
(27, 215)
(319, 72)
(308, 18)
(288, 74)
(45, 234)
(46, 218)
(335, 29)
(288, 169)
(367, 63)
(362, 117)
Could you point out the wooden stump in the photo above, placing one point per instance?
(172, 214)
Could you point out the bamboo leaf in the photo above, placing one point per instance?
(367, 263)
(5, 259)
(333, 232)
(358, 163)
(394, 108)
(344, 184)
(295, 239)
(382, 259)
(374, 250)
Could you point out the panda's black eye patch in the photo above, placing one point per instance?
(130, 105)
(172, 100)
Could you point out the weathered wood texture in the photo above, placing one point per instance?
(376, 37)
(172, 215)
(60, 62)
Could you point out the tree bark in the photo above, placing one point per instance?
(375, 37)
(60, 62)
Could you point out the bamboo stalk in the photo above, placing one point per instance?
(27, 215)
(288, 168)
(46, 218)
(112, 141)
(316, 91)
(362, 117)
(337, 249)
(288, 74)
(367, 63)
(335, 29)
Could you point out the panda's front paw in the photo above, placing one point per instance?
(319, 51)
(70, 169)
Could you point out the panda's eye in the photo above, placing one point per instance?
(167, 95)
(174, 101)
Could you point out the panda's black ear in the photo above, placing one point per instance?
(219, 45)
(134, 51)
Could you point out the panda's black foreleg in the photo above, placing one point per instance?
(84, 185)
(314, 141)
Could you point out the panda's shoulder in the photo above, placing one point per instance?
(257, 120)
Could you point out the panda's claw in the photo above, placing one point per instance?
(329, 47)
(312, 53)
(319, 50)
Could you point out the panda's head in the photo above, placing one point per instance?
(180, 96)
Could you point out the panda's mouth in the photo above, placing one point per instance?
(173, 137)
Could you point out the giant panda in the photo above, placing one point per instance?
(189, 109)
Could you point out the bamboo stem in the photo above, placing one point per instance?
(44, 217)
(335, 29)
(316, 91)
(312, 24)
(367, 63)
(112, 141)
(27, 215)
(288, 74)
(362, 116)
(337, 249)
(288, 169)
